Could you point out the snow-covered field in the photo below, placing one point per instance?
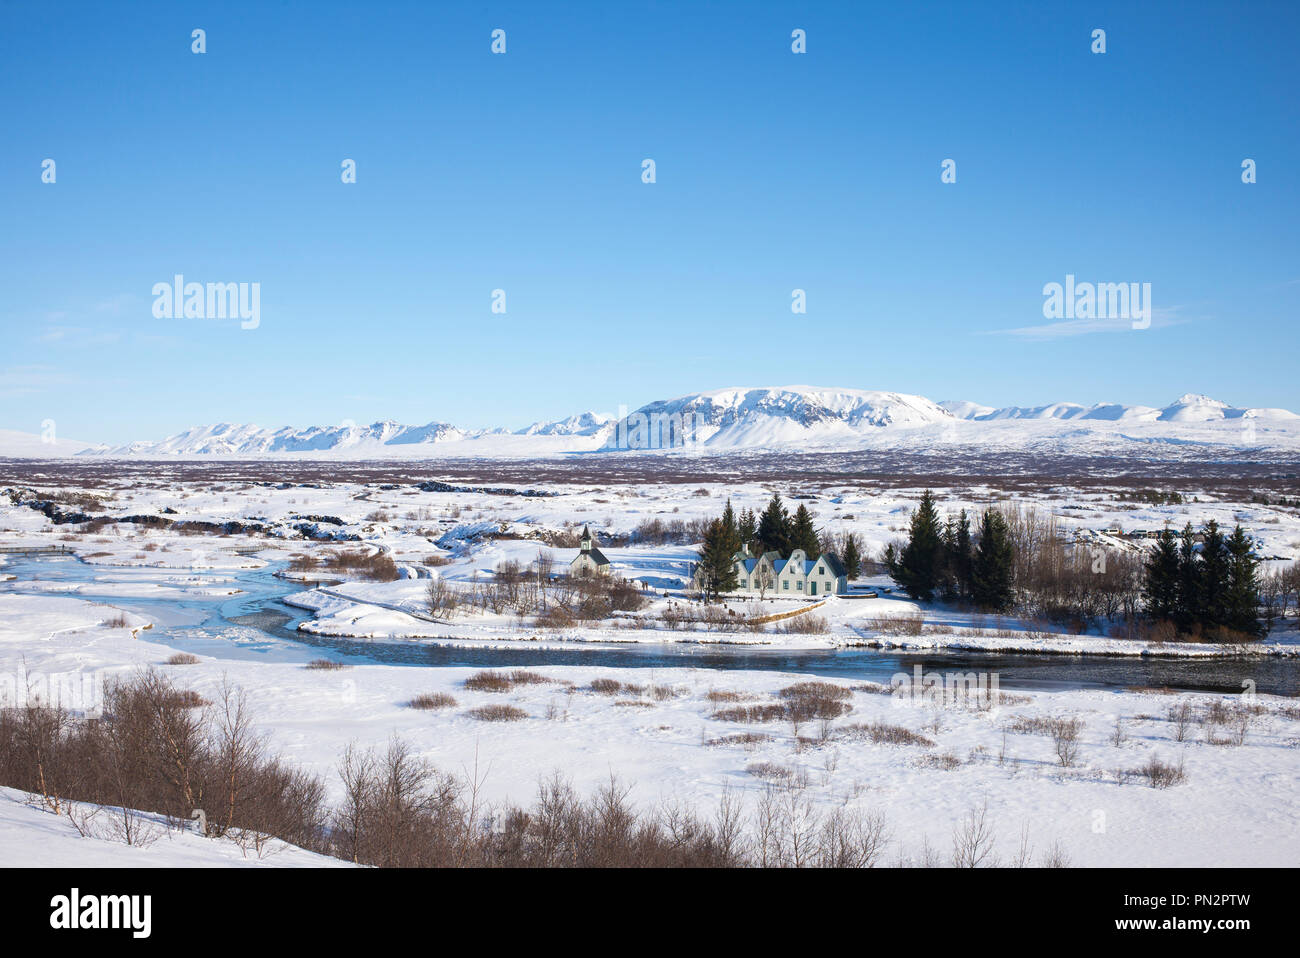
(659, 732)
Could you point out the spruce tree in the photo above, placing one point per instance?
(991, 567)
(1241, 598)
(729, 519)
(803, 535)
(1160, 579)
(961, 560)
(774, 527)
(917, 566)
(851, 558)
(717, 571)
(1214, 577)
(748, 528)
(1187, 611)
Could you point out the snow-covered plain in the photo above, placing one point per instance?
(1237, 806)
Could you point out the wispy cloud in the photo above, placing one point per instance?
(28, 380)
(87, 326)
(1160, 318)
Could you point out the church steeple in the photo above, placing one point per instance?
(585, 544)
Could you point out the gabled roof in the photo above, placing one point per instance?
(834, 564)
(597, 556)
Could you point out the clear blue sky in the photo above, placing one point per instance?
(523, 172)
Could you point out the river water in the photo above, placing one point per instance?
(256, 625)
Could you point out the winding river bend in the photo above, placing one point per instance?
(255, 625)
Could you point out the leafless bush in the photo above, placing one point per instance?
(497, 713)
(183, 658)
(432, 700)
(946, 762)
(363, 565)
(1180, 716)
(741, 738)
(325, 665)
(441, 599)
(911, 624)
(1065, 739)
(972, 839)
(882, 733)
(155, 750)
(724, 695)
(491, 681)
(770, 712)
(1162, 775)
(806, 624)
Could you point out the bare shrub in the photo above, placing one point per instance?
(1162, 775)
(325, 665)
(972, 839)
(946, 762)
(1180, 716)
(183, 658)
(489, 681)
(724, 695)
(770, 712)
(357, 563)
(806, 624)
(497, 713)
(441, 599)
(1065, 739)
(432, 700)
(911, 624)
(741, 738)
(882, 733)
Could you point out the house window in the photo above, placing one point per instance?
(800, 586)
(785, 584)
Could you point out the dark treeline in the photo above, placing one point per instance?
(949, 560)
(1206, 589)
(1013, 560)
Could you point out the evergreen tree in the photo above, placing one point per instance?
(852, 559)
(717, 571)
(1187, 611)
(1214, 576)
(803, 535)
(748, 528)
(917, 567)
(992, 564)
(729, 519)
(1241, 597)
(961, 558)
(947, 577)
(1160, 579)
(774, 527)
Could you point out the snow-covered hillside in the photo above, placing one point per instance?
(781, 418)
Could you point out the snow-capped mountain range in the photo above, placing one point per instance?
(746, 419)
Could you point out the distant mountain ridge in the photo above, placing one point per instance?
(746, 418)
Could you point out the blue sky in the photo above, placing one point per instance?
(522, 172)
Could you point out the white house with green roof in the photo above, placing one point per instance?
(797, 576)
